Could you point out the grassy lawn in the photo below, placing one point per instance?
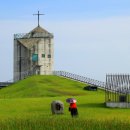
(26, 105)
(43, 86)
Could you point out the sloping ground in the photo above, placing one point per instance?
(43, 86)
(19, 111)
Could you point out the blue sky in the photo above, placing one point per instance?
(91, 36)
(63, 9)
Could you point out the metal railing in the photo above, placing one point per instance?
(67, 75)
(4, 84)
(32, 35)
(24, 75)
(80, 78)
(120, 86)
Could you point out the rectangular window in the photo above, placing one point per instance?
(49, 55)
(34, 57)
(43, 55)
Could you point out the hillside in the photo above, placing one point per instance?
(43, 86)
(27, 105)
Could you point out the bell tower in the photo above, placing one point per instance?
(33, 53)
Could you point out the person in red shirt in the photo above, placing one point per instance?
(73, 109)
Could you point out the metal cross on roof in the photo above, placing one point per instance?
(38, 14)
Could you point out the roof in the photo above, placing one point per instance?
(38, 32)
(39, 29)
(31, 38)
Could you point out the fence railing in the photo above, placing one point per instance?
(4, 84)
(67, 75)
(80, 78)
(118, 82)
(18, 77)
(30, 35)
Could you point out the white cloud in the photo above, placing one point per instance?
(95, 47)
(89, 47)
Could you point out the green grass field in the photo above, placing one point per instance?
(26, 106)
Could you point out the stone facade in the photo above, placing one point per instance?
(118, 104)
(33, 53)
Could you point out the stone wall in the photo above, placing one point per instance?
(118, 104)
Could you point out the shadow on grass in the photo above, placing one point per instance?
(99, 105)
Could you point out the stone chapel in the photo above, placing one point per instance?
(33, 53)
